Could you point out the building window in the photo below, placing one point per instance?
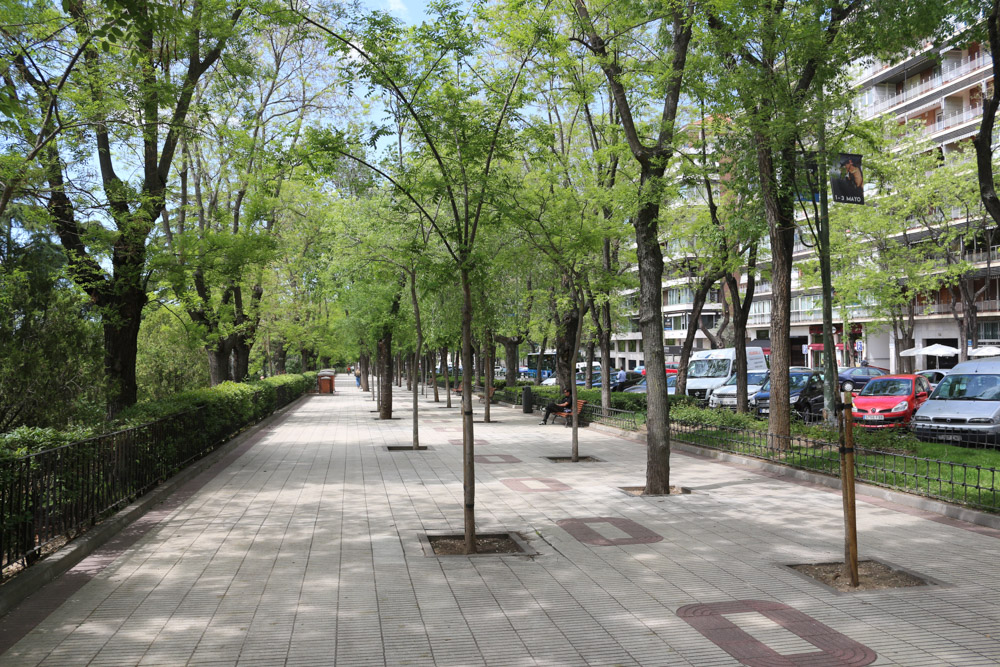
(679, 295)
(760, 308)
(989, 331)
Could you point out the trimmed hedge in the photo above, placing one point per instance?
(225, 406)
(619, 400)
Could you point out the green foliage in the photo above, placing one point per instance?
(26, 440)
(170, 358)
(724, 418)
(50, 358)
(229, 402)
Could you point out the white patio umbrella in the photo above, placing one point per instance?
(912, 352)
(988, 351)
(938, 350)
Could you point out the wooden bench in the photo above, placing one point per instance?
(566, 415)
(482, 397)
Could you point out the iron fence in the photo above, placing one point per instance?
(52, 496)
(623, 419)
(972, 485)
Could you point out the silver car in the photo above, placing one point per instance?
(965, 406)
(725, 396)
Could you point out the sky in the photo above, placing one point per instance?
(411, 11)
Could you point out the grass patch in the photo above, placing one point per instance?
(947, 472)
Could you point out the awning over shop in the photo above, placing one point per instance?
(818, 347)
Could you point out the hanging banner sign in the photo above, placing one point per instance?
(847, 180)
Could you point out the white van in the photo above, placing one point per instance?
(964, 407)
(709, 369)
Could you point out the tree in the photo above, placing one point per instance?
(243, 150)
(134, 99)
(51, 338)
(777, 62)
(659, 77)
(459, 110)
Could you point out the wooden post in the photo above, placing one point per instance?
(847, 488)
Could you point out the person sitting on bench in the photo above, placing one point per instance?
(557, 407)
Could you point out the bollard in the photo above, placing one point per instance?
(526, 400)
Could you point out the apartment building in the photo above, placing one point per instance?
(943, 89)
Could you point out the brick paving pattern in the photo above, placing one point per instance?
(305, 550)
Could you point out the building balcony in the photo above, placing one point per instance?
(950, 72)
(953, 120)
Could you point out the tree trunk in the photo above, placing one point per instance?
(468, 434)
(121, 347)
(364, 363)
(781, 226)
(488, 363)
(279, 355)
(650, 260)
(416, 356)
(447, 376)
(604, 338)
(589, 372)
(385, 376)
(700, 294)
(567, 323)
(538, 362)
(510, 348)
(241, 360)
(741, 314)
(478, 360)
(218, 362)
(432, 369)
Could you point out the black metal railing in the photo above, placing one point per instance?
(51, 496)
(962, 483)
(623, 419)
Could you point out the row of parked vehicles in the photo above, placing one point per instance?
(958, 405)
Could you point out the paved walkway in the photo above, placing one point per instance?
(304, 549)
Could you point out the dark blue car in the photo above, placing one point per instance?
(805, 396)
(852, 377)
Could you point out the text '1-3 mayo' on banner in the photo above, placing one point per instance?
(847, 180)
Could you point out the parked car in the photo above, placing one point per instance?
(672, 368)
(725, 396)
(965, 407)
(855, 377)
(640, 387)
(709, 369)
(806, 395)
(933, 376)
(631, 379)
(890, 401)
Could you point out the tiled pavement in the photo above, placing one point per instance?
(305, 550)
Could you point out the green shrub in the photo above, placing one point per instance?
(29, 440)
(709, 417)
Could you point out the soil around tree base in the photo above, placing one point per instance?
(579, 459)
(454, 545)
(641, 491)
(872, 576)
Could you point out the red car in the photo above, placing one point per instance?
(890, 400)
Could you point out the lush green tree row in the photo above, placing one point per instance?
(214, 191)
